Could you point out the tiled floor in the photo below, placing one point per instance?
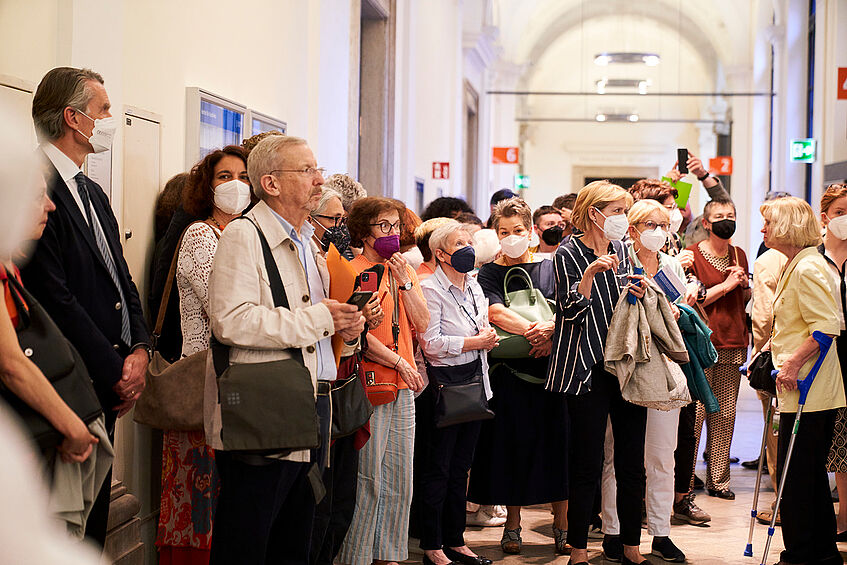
(722, 542)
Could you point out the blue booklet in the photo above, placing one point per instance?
(670, 283)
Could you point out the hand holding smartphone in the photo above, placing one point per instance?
(360, 298)
(682, 160)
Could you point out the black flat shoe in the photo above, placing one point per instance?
(726, 494)
(698, 483)
(457, 557)
(626, 561)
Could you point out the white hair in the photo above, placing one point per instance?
(486, 245)
(349, 189)
(327, 194)
(266, 157)
(439, 237)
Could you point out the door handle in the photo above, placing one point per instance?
(128, 234)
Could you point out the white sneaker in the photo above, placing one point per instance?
(484, 518)
(499, 511)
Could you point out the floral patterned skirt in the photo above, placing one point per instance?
(190, 487)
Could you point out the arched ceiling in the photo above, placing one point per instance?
(718, 30)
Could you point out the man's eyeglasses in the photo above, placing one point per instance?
(310, 171)
(386, 227)
(337, 220)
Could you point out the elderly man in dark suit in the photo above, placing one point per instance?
(77, 270)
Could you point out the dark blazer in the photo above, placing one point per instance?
(69, 278)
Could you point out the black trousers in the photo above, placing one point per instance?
(264, 513)
(445, 458)
(808, 518)
(588, 416)
(685, 448)
(335, 512)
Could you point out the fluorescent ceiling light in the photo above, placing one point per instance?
(649, 59)
(631, 117)
(638, 84)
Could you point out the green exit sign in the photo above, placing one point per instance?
(521, 182)
(803, 150)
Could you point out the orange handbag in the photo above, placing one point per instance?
(381, 381)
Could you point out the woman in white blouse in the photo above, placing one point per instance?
(217, 191)
(456, 340)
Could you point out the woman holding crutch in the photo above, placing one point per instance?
(804, 303)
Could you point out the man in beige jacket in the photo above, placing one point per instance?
(266, 505)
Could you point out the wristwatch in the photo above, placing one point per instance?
(704, 177)
(407, 286)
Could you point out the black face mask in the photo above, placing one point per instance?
(723, 229)
(553, 235)
(338, 236)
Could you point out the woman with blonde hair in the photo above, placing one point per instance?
(804, 303)
(522, 454)
(649, 225)
(592, 270)
(834, 251)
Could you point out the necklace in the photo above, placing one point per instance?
(217, 224)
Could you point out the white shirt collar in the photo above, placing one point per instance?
(64, 165)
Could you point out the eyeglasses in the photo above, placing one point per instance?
(310, 171)
(337, 220)
(651, 225)
(387, 227)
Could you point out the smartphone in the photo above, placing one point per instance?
(682, 160)
(368, 281)
(360, 298)
(635, 271)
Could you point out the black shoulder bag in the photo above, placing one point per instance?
(266, 408)
(45, 345)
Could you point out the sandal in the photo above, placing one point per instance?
(561, 537)
(511, 541)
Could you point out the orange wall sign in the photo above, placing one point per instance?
(507, 155)
(720, 165)
(842, 83)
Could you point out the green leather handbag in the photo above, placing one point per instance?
(528, 303)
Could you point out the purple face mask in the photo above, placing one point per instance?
(387, 245)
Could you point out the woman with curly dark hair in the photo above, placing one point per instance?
(379, 530)
(217, 191)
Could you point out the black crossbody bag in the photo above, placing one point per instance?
(45, 345)
(266, 408)
(460, 393)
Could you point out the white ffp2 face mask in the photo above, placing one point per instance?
(615, 227)
(514, 245)
(103, 134)
(837, 226)
(232, 197)
(653, 240)
(676, 220)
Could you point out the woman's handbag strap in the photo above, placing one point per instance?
(166, 295)
(517, 272)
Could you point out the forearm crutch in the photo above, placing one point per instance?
(748, 551)
(803, 386)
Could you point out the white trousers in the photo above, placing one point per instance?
(659, 447)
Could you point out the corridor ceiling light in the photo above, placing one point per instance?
(649, 59)
(637, 84)
(609, 117)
